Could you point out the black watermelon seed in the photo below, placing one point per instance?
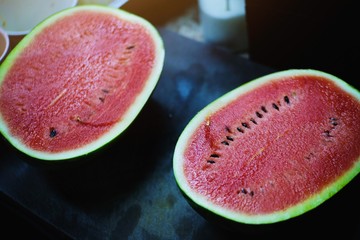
(263, 108)
(244, 124)
(333, 121)
(287, 100)
(211, 161)
(240, 130)
(214, 155)
(53, 132)
(253, 120)
(259, 115)
(275, 106)
(225, 143)
(229, 138)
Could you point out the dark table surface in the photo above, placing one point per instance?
(128, 191)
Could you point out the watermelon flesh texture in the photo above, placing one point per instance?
(273, 148)
(77, 80)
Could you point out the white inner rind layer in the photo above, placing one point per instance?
(131, 113)
(296, 210)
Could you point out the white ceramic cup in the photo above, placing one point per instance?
(4, 43)
(223, 22)
(18, 17)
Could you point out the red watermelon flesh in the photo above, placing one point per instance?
(271, 147)
(78, 78)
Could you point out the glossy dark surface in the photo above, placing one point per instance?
(128, 190)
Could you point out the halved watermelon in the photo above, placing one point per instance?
(77, 81)
(271, 149)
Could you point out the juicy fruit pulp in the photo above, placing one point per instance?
(78, 80)
(273, 148)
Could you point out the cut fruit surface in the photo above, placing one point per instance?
(78, 80)
(271, 149)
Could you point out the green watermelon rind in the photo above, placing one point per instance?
(131, 113)
(201, 201)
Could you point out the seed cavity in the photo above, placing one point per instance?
(253, 120)
(309, 156)
(227, 129)
(76, 118)
(327, 133)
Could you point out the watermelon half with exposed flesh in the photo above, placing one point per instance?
(271, 149)
(77, 81)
